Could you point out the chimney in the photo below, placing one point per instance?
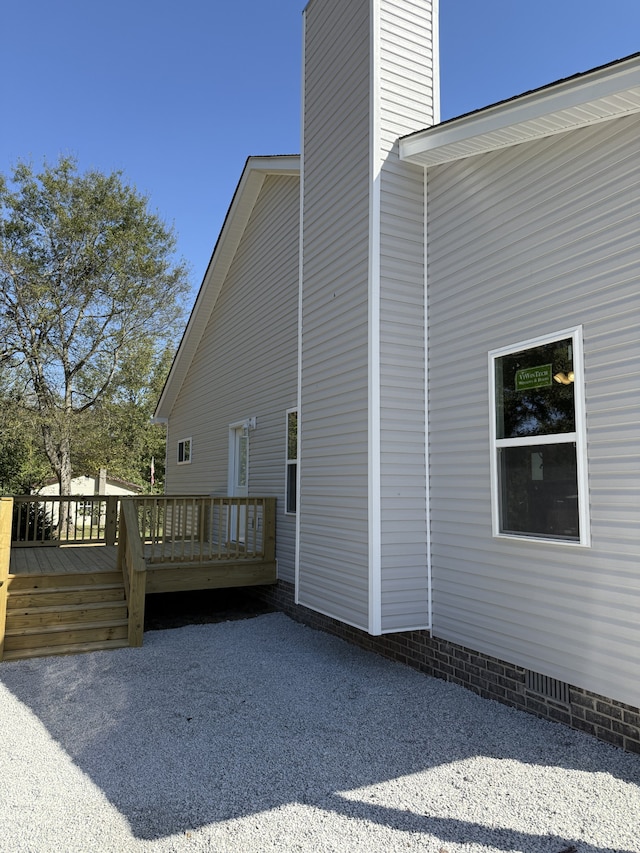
(370, 76)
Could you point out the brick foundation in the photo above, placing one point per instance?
(606, 719)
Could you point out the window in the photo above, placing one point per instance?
(291, 485)
(184, 451)
(84, 508)
(538, 435)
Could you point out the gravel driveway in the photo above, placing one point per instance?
(262, 734)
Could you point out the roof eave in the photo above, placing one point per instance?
(596, 96)
(255, 171)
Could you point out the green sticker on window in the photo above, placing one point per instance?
(534, 377)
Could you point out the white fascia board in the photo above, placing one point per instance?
(242, 204)
(603, 94)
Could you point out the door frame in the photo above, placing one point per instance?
(238, 432)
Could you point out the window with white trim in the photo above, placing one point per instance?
(291, 482)
(538, 434)
(184, 451)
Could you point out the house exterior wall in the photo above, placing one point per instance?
(333, 575)
(522, 243)
(245, 366)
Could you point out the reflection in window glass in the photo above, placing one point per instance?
(535, 391)
(243, 457)
(292, 436)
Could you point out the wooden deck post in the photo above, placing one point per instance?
(122, 545)
(6, 516)
(111, 520)
(137, 593)
(204, 508)
(135, 570)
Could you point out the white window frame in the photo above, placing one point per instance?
(579, 437)
(187, 451)
(291, 462)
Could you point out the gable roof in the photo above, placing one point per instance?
(601, 94)
(255, 171)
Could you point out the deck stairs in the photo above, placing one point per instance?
(64, 614)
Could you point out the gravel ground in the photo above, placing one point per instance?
(262, 734)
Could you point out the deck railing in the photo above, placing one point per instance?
(183, 528)
(188, 529)
(70, 520)
(174, 528)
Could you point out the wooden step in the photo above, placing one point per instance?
(20, 583)
(50, 597)
(45, 617)
(64, 635)
(69, 649)
(57, 613)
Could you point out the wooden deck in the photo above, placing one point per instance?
(66, 560)
(62, 597)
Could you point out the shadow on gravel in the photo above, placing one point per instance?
(213, 723)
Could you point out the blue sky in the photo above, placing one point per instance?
(178, 95)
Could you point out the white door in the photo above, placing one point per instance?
(238, 480)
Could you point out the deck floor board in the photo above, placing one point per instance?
(65, 560)
(75, 559)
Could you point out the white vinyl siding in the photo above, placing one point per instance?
(333, 570)
(405, 105)
(542, 235)
(246, 363)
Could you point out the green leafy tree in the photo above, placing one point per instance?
(23, 463)
(89, 295)
(118, 434)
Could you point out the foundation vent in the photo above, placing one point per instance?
(550, 688)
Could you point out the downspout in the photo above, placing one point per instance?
(426, 411)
